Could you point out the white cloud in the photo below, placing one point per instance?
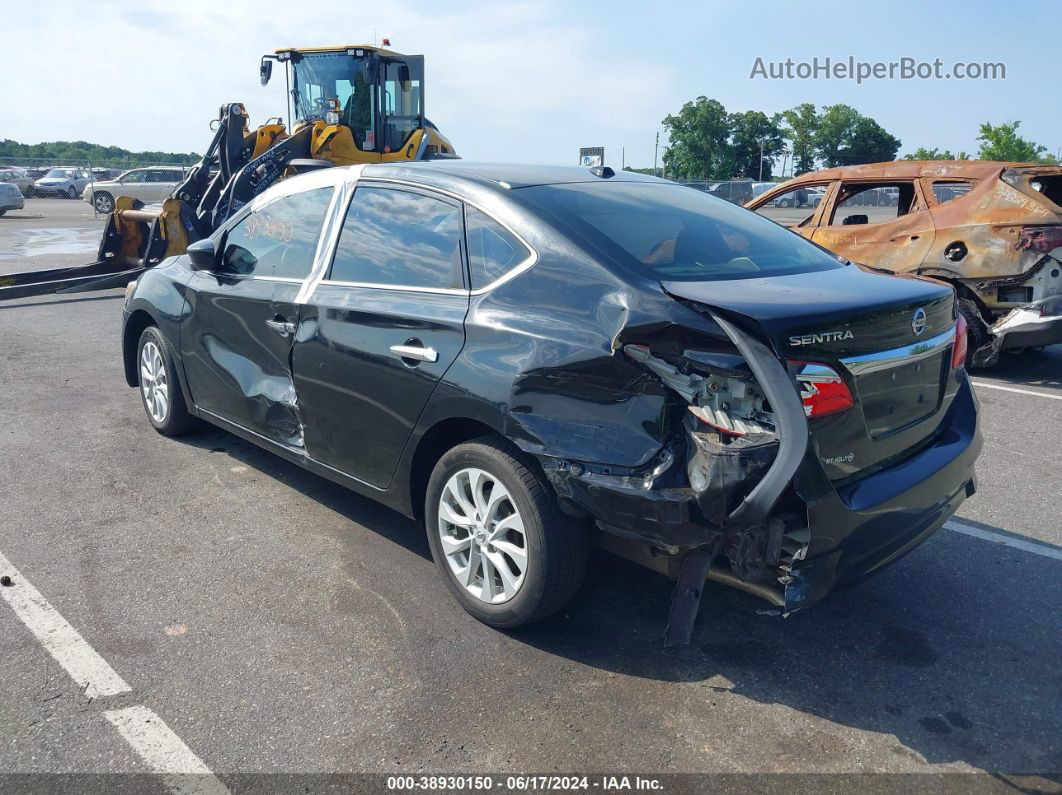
(524, 81)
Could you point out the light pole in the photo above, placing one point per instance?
(656, 150)
(761, 160)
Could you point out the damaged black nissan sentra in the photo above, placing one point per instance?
(529, 359)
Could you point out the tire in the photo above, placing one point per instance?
(72, 193)
(786, 203)
(160, 389)
(976, 331)
(2, 212)
(554, 547)
(103, 202)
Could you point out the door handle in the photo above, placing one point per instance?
(415, 351)
(285, 328)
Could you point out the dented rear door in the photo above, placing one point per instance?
(381, 329)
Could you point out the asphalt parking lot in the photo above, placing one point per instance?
(276, 623)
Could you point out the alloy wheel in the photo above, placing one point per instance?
(153, 382)
(482, 535)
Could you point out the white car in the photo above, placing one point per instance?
(147, 184)
(65, 182)
(19, 178)
(10, 197)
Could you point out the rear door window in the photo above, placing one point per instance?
(398, 238)
(874, 203)
(161, 175)
(279, 239)
(492, 249)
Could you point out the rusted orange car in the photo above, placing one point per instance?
(992, 230)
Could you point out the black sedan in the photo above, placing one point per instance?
(530, 360)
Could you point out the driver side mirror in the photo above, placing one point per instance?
(265, 71)
(202, 255)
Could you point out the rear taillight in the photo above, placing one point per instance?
(958, 350)
(822, 390)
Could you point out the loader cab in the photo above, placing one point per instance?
(377, 94)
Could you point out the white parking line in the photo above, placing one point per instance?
(65, 644)
(998, 538)
(181, 770)
(1015, 389)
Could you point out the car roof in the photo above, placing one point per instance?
(500, 175)
(913, 169)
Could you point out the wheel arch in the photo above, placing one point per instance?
(135, 324)
(140, 315)
(443, 435)
(962, 290)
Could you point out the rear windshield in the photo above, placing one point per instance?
(675, 233)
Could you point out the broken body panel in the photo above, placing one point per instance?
(679, 416)
(993, 230)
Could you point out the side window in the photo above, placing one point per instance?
(873, 203)
(133, 177)
(946, 190)
(160, 175)
(492, 249)
(795, 207)
(400, 239)
(278, 239)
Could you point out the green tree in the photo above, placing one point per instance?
(802, 124)
(700, 141)
(84, 152)
(846, 137)
(1002, 142)
(835, 125)
(748, 131)
(868, 142)
(921, 153)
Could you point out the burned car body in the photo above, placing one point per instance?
(709, 394)
(992, 230)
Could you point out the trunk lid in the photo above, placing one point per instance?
(889, 338)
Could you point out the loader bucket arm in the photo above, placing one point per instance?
(260, 173)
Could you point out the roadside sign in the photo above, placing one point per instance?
(591, 156)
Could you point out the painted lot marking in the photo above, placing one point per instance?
(1043, 550)
(62, 641)
(181, 770)
(1015, 389)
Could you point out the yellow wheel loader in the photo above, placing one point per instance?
(351, 104)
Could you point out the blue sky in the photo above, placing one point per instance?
(525, 81)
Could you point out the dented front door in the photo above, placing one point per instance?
(237, 352)
(238, 338)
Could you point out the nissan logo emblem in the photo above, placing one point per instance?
(918, 322)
